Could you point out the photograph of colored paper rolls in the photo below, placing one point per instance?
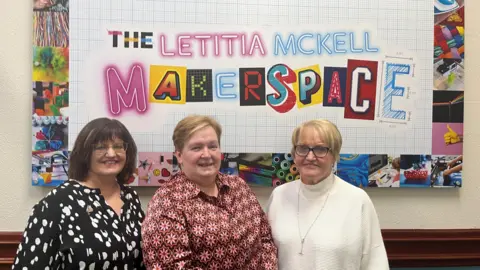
(50, 98)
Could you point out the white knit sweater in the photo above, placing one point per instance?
(346, 235)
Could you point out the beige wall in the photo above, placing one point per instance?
(400, 208)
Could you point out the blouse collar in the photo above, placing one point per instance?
(86, 189)
(190, 190)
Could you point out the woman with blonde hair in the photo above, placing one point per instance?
(321, 221)
(201, 218)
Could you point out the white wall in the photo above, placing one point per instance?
(401, 208)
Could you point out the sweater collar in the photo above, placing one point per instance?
(318, 190)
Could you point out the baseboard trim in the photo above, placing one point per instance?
(433, 247)
(8, 247)
(405, 248)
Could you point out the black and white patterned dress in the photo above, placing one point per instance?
(74, 228)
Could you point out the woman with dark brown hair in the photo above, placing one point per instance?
(91, 221)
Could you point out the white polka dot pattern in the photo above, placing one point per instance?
(74, 228)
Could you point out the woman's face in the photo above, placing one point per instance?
(200, 157)
(313, 169)
(108, 158)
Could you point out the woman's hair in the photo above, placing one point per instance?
(98, 131)
(191, 124)
(327, 131)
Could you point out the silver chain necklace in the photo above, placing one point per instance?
(302, 239)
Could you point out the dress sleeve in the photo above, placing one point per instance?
(165, 238)
(374, 255)
(269, 251)
(38, 248)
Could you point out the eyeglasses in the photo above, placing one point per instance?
(318, 151)
(102, 149)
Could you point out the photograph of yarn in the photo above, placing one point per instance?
(447, 138)
(255, 168)
(50, 99)
(50, 29)
(50, 64)
(415, 170)
(446, 171)
(155, 168)
(448, 74)
(354, 168)
(51, 5)
(449, 29)
(448, 106)
(449, 42)
(383, 171)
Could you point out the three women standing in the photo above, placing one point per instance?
(201, 218)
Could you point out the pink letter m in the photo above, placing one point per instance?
(119, 96)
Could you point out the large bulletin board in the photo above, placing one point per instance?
(389, 74)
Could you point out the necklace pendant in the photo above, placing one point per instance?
(301, 249)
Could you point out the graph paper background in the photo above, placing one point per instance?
(406, 25)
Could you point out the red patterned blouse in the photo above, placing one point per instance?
(186, 229)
